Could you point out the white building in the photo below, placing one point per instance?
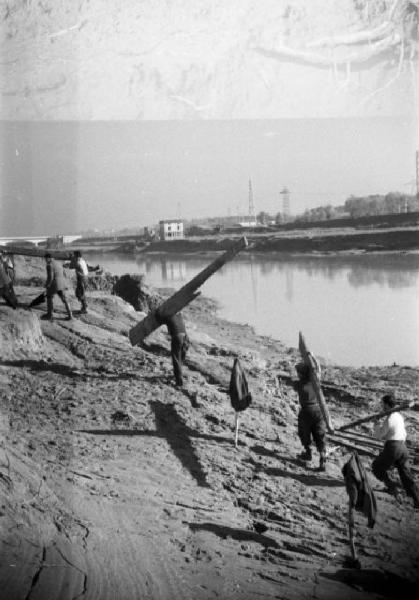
(171, 229)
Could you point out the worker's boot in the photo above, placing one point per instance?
(306, 455)
(322, 462)
(83, 310)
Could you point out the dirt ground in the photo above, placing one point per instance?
(162, 506)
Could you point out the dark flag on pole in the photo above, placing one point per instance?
(239, 393)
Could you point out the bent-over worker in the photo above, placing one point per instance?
(311, 424)
(179, 342)
(395, 452)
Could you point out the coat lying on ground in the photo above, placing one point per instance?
(361, 496)
(239, 390)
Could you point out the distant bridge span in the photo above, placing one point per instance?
(67, 239)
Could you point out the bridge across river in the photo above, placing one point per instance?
(67, 239)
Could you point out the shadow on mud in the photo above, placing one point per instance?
(388, 585)
(240, 535)
(42, 365)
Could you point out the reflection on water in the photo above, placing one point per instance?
(353, 310)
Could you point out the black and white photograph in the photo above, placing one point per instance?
(209, 299)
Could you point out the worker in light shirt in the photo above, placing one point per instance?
(394, 453)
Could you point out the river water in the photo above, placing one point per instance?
(353, 310)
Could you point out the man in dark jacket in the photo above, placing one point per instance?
(311, 423)
(55, 284)
(179, 342)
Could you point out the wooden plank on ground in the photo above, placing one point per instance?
(308, 359)
(184, 296)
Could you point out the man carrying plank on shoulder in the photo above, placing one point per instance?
(179, 342)
(311, 424)
(395, 452)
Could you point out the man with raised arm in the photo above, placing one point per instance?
(311, 424)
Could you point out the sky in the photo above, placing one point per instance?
(116, 115)
(65, 177)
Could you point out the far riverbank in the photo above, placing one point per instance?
(291, 242)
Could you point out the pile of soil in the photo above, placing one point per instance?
(115, 483)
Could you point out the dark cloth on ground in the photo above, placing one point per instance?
(311, 426)
(361, 495)
(239, 390)
(395, 454)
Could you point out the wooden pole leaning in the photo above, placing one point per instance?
(308, 359)
(184, 296)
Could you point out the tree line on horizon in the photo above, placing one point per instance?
(354, 207)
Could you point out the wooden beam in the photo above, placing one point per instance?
(376, 416)
(37, 252)
(358, 439)
(308, 359)
(184, 296)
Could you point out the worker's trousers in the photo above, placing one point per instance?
(179, 347)
(395, 454)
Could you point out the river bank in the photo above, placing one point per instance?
(290, 242)
(163, 506)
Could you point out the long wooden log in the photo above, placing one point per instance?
(184, 296)
(375, 416)
(358, 439)
(37, 252)
(352, 446)
(363, 438)
(362, 448)
(308, 359)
